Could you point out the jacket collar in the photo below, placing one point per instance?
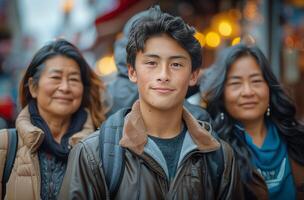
(135, 135)
(32, 136)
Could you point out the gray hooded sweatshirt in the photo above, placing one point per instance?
(122, 91)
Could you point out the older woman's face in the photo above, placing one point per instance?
(246, 93)
(60, 88)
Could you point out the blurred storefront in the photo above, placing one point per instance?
(277, 27)
(292, 50)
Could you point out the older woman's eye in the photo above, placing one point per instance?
(233, 83)
(75, 79)
(55, 77)
(257, 81)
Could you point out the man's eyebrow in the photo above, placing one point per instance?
(152, 55)
(178, 57)
(171, 57)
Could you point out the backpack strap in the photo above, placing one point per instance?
(112, 154)
(10, 157)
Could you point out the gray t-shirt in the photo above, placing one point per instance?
(171, 149)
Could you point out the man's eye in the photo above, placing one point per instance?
(176, 65)
(150, 63)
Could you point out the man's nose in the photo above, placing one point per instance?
(164, 74)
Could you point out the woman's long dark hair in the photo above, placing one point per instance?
(282, 108)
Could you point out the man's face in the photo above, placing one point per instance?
(162, 73)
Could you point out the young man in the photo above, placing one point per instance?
(167, 153)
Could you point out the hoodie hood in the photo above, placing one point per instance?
(120, 53)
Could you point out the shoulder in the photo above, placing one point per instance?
(226, 148)
(85, 154)
(224, 155)
(113, 122)
(90, 146)
(198, 112)
(91, 139)
(222, 159)
(116, 120)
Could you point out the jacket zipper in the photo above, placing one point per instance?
(179, 167)
(35, 159)
(162, 175)
(191, 153)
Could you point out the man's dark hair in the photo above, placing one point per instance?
(156, 23)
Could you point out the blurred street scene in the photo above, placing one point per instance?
(277, 27)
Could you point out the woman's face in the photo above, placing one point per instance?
(60, 88)
(246, 93)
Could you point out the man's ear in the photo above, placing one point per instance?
(33, 89)
(132, 74)
(194, 77)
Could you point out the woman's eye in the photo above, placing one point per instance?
(257, 81)
(55, 77)
(75, 79)
(234, 83)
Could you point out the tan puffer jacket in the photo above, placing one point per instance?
(24, 182)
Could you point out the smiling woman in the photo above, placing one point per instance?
(61, 100)
(252, 112)
(60, 89)
(246, 94)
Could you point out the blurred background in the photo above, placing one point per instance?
(276, 26)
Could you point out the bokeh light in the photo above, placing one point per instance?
(213, 39)
(225, 28)
(106, 65)
(236, 41)
(200, 37)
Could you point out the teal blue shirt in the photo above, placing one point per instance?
(271, 161)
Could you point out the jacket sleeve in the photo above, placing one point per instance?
(83, 178)
(230, 185)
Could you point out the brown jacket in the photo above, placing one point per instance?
(145, 174)
(298, 174)
(24, 181)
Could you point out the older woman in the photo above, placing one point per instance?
(252, 112)
(60, 97)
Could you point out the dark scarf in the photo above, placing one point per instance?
(49, 144)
